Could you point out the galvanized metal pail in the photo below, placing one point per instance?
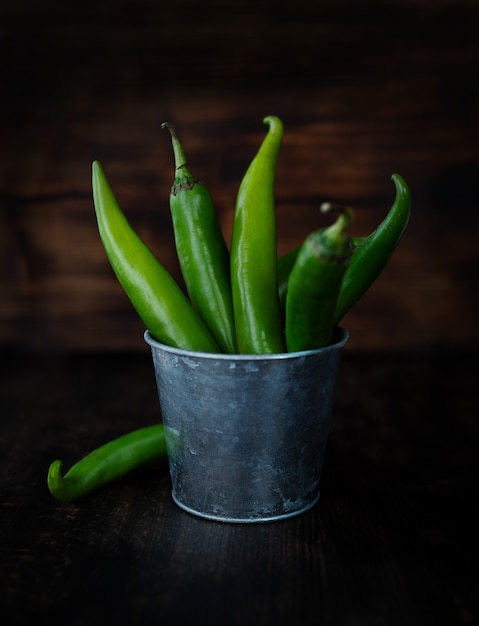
(246, 434)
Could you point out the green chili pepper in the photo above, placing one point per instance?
(107, 463)
(254, 281)
(314, 285)
(370, 254)
(370, 258)
(202, 251)
(159, 301)
(286, 263)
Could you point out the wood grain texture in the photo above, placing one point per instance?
(365, 89)
(392, 540)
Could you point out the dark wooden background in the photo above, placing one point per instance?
(365, 89)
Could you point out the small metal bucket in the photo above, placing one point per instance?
(246, 434)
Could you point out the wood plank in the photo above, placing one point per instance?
(364, 91)
(390, 541)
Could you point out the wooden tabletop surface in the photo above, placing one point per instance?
(392, 540)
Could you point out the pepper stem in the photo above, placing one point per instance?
(339, 229)
(180, 159)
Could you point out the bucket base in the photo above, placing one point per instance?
(245, 520)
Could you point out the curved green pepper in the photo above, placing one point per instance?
(107, 463)
(155, 295)
(371, 257)
(314, 285)
(253, 252)
(201, 249)
(370, 254)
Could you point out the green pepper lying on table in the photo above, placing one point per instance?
(107, 463)
(246, 300)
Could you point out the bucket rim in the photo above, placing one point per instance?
(341, 338)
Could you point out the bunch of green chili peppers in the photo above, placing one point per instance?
(239, 300)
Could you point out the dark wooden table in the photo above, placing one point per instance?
(391, 542)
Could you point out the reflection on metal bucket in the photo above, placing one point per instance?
(246, 434)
